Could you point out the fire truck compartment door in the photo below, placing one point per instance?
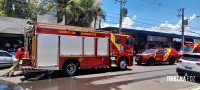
(89, 46)
(71, 46)
(47, 52)
(102, 47)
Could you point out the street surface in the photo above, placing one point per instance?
(135, 78)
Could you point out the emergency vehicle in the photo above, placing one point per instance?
(70, 48)
(189, 48)
(157, 55)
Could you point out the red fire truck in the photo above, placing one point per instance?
(70, 48)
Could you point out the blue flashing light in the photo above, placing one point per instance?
(78, 33)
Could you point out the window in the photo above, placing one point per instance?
(129, 41)
(161, 52)
(186, 49)
(5, 54)
(191, 57)
(150, 51)
(117, 39)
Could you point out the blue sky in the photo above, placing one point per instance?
(154, 15)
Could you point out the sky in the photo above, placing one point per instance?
(154, 15)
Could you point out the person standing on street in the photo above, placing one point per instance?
(18, 58)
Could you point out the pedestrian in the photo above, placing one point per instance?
(17, 59)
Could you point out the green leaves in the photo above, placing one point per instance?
(76, 12)
(27, 9)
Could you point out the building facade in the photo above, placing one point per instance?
(144, 40)
(11, 33)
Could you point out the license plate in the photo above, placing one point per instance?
(186, 67)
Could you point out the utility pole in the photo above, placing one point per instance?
(123, 12)
(184, 22)
(182, 27)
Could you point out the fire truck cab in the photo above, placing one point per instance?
(70, 48)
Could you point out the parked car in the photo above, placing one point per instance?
(6, 59)
(157, 55)
(190, 64)
(189, 48)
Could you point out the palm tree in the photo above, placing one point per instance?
(77, 12)
(91, 11)
(2, 12)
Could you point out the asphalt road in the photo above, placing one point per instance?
(135, 78)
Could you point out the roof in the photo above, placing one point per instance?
(61, 27)
(142, 32)
(10, 25)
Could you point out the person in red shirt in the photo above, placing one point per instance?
(18, 57)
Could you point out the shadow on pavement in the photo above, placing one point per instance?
(157, 64)
(88, 72)
(71, 83)
(7, 67)
(58, 74)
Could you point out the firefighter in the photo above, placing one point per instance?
(18, 58)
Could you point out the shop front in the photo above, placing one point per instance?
(143, 42)
(10, 42)
(177, 42)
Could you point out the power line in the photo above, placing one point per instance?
(159, 22)
(160, 4)
(141, 19)
(142, 10)
(150, 27)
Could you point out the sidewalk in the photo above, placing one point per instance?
(15, 79)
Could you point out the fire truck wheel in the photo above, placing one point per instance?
(172, 61)
(70, 68)
(150, 62)
(122, 64)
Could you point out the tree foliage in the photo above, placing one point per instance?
(27, 9)
(2, 12)
(76, 12)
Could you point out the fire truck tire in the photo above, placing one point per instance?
(172, 61)
(150, 62)
(122, 64)
(70, 68)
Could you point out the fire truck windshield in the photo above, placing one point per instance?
(150, 51)
(186, 49)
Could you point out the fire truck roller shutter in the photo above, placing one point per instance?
(47, 52)
(89, 46)
(102, 47)
(71, 46)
